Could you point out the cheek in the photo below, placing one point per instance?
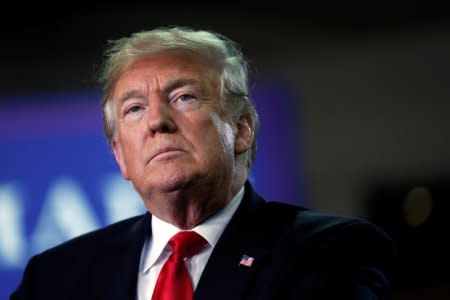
(224, 133)
(131, 146)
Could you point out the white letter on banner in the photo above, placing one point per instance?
(65, 214)
(120, 198)
(12, 241)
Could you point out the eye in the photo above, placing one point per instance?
(133, 109)
(186, 97)
(185, 101)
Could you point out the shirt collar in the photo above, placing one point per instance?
(211, 229)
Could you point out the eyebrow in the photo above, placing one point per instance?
(170, 86)
(179, 82)
(130, 94)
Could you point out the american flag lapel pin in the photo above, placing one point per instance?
(246, 261)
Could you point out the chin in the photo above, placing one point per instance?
(167, 183)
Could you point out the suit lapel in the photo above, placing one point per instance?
(116, 266)
(224, 277)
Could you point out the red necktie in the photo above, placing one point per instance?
(174, 281)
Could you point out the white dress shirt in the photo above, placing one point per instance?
(156, 250)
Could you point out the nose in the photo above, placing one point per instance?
(160, 119)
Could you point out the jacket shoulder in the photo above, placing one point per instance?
(333, 236)
(313, 223)
(344, 248)
(68, 266)
(98, 239)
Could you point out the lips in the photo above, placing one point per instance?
(164, 150)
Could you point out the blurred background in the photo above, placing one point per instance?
(354, 105)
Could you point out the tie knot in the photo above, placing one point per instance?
(186, 243)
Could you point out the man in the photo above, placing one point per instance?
(183, 130)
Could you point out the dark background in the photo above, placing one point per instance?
(372, 86)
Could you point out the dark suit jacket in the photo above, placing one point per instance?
(298, 254)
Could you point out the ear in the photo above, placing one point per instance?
(118, 154)
(244, 135)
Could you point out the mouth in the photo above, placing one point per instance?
(165, 152)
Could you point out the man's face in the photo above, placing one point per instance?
(171, 132)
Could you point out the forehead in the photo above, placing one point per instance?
(166, 66)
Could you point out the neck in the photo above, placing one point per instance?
(189, 207)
